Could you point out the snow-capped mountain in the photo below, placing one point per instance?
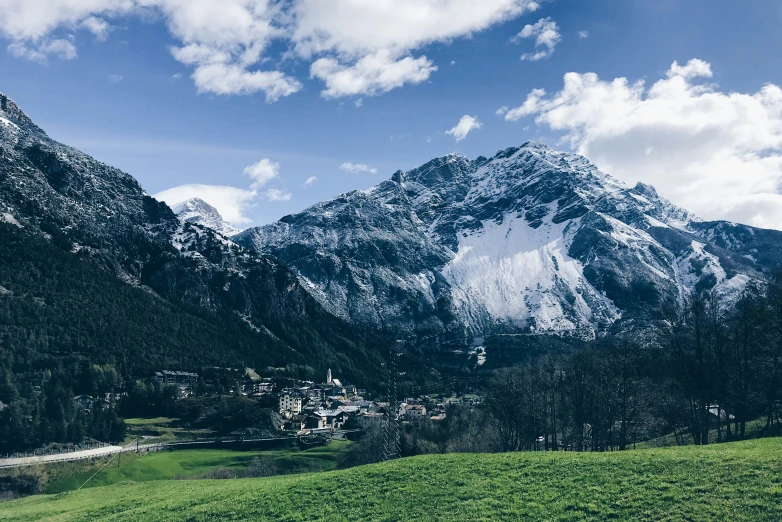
(531, 240)
(102, 215)
(200, 212)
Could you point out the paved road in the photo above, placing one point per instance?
(110, 450)
(62, 457)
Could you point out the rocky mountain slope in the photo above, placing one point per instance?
(103, 216)
(531, 240)
(199, 212)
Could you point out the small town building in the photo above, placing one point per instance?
(175, 377)
(415, 412)
(291, 403)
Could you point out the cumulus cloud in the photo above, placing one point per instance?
(40, 52)
(546, 34)
(362, 39)
(97, 26)
(716, 153)
(371, 75)
(583, 34)
(262, 172)
(464, 127)
(356, 48)
(310, 181)
(231, 202)
(355, 168)
(277, 195)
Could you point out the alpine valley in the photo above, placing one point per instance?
(246, 308)
(531, 241)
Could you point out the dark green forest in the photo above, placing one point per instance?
(69, 327)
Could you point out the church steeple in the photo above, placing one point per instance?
(329, 380)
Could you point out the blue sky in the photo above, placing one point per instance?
(110, 82)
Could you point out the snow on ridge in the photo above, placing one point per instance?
(198, 211)
(9, 218)
(516, 275)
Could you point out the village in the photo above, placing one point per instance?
(309, 408)
(301, 407)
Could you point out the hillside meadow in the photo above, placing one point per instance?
(737, 482)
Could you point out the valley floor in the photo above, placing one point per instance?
(738, 481)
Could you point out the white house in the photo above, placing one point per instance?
(291, 403)
(415, 412)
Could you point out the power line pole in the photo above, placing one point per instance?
(392, 433)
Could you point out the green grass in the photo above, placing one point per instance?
(156, 421)
(754, 429)
(737, 482)
(167, 465)
(161, 429)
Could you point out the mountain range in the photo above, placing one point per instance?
(529, 241)
(102, 216)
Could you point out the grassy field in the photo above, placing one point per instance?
(167, 465)
(737, 482)
(161, 429)
(755, 429)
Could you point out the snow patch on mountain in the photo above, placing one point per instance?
(200, 212)
(7, 217)
(512, 274)
(530, 240)
(8, 123)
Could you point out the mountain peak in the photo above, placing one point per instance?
(199, 212)
(535, 144)
(10, 111)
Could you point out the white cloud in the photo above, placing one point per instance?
(355, 168)
(262, 172)
(546, 34)
(32, 20)
(310, 181)
(277, 195)
(530, 106)
(231, 202)
(371, 75)
(356, 47)
(464, 127)
(40, 52)
(368, 44)
(583, 34)
(693, 69)
(115, 78)
(716, 153)
(220, 78)
(97, 26)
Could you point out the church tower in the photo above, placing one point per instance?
(328, 377)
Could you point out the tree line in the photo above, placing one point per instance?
(711, 367)
(709, 370)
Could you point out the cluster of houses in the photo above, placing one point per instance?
(88, 402)
(185, 380)
(305, 406)
(313, 408)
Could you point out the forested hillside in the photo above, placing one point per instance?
(68, 327)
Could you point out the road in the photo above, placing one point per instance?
(111, 450)
(62, 457)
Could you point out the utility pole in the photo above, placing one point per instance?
(392, 434)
